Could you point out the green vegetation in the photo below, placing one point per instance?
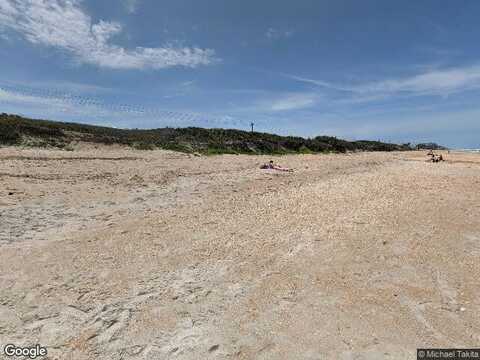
(17, 130)
(430, 146)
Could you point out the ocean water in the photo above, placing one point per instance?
(468, 150)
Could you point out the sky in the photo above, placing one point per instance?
(399, 71)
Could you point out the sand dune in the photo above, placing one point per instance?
(113, 253)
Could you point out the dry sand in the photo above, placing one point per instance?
(119, 254)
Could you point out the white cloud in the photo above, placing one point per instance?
(293, 102)
(64, 25)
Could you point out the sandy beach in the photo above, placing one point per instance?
(111, 253)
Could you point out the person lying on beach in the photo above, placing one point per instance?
(271, 165)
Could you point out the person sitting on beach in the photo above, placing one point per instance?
(432, 156)
(271, 165)
(436, 158)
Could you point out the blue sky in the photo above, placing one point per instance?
(398, 71)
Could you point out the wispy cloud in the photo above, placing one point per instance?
(58, 102)
(273, 103)
(59, 87)
(442, 82)
(437, 82)
(321, 83)
(25, 99)
(64, 25)
(412, 126)
(67, 106)
(293, 102)
(275, 34)
(131, 5)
